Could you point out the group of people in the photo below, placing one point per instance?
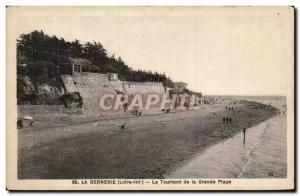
(229, 108)
(227, 119)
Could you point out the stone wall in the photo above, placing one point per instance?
(68, 83)
(92, 86)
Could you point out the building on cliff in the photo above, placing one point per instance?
(180, 85)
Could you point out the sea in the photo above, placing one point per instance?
(263, 153)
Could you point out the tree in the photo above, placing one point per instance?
(95, 53)
(42, 54)
(76, 49)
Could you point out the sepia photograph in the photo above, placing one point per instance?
(150, 98)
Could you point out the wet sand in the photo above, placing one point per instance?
(149, 148)
(261, 155)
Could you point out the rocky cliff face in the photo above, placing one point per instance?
(43, 92)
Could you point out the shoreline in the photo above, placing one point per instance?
(205, 156)
(149, 147)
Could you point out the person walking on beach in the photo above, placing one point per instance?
(244, 131)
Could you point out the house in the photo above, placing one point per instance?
(112, 76)
(77, 65)
(180, 85)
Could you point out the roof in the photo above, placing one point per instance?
(183, 83)
(179, 91)
(80, 61)
(86, 64)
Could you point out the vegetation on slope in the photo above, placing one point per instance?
(42, 54)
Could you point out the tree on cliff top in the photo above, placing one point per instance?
(42, 53)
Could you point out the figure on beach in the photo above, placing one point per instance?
(227, 120)
(244, 131)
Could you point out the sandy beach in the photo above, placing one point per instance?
(148, 148)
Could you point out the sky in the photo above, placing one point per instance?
(220, 51)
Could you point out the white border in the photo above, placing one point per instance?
(105, 3)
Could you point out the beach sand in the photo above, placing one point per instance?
(149, 147)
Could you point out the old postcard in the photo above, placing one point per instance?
(150, 98)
